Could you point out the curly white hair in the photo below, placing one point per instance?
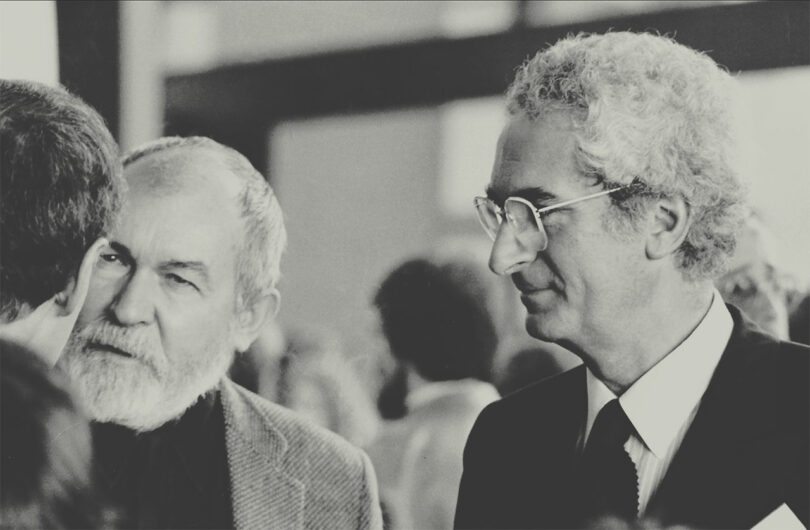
(651, 112)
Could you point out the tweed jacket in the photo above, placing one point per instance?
(745, 454)
(288, 474)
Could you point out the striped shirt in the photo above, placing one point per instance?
(663, 402)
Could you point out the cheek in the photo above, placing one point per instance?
(571, 265)
(591, 271)
(194, 326)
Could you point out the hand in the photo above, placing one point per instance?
(46, 330)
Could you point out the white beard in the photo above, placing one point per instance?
(144, 392)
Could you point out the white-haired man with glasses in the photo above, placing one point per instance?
(620, 208)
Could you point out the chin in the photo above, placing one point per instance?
(545, 326)
(133, 395)
(111, 392)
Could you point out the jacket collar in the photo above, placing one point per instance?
(663, 400)
(720, 457)
(261, 489)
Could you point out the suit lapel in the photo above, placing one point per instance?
(261, 492)
(718, 477)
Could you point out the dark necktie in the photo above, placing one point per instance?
(609, 479)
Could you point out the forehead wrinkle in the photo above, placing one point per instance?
(533, 156)
(195, 173)
(515, 170)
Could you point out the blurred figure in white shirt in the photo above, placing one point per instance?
(440, 330)
(754, 281)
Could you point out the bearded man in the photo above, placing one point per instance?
(189, 278)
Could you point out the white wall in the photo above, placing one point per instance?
(774, 158)
(214, 33)
(142, 70)
(28, 48)
(359, 195)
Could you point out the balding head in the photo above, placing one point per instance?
(265, 237)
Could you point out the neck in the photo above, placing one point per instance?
(647, 334)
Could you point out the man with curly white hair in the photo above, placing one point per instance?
(613, 206)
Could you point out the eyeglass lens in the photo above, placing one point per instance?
(489, 216)
(520, 216)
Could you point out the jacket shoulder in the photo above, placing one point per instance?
(770, 367)
(537, 414)
(303, 438)
(548, 396)
(337, 478)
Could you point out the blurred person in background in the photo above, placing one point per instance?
(256, 369)
(440, 330)
(754, 282)
(60, 179)
(318, 381)
(613, 207)
(188, 278)
(46, 473)
(306, 370)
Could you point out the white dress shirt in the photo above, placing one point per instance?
(663, 402)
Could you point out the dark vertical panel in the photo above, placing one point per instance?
(88, 35)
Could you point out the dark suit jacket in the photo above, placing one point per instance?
(744, 455)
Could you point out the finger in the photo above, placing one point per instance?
(77, 297)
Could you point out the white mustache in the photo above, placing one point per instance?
(135, 342)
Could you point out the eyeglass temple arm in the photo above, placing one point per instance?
(538, 211)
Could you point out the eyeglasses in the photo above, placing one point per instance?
(524, 218)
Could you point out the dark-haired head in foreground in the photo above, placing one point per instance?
(60, 180)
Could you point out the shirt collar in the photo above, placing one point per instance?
(663, 399)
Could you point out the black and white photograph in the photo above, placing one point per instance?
(405, 264)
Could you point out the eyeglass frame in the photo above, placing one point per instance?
(538, 212)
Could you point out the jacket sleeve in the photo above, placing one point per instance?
(370, 515)
(473, 507)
